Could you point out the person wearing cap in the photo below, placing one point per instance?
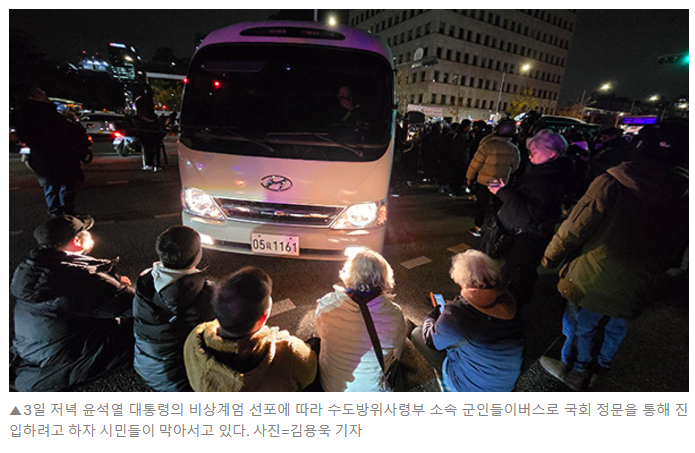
(71, 309)
(476, 343)
(238, 352)
(630, 226)
(611, 150)
(496, 158)
(171, 298)
(531, 207)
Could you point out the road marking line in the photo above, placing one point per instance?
(161, 216)
(117, 182)
(415, 262)
(459, 248)
(16, 233)
(283, 306)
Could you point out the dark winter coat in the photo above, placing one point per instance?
(631, 224)
(533, 202)
(64, 320)
(162, 322)
(612, 153)
(55, 155)
(531, 207)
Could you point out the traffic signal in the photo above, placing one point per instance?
(680, 58)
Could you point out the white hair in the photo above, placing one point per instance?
(366, 271)
(550, 140)
(474, 269)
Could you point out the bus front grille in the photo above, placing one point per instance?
(277, 213)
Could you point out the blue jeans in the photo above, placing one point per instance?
(60, 199)
(580, 325)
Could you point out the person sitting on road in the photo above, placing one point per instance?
(171, 298)
(476, 343)
(347, 362)
(70, 318)
(237, 352)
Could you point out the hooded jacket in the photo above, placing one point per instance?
(168, 304)
(347, 360)
(631, 224)
(496, 158)
(270, 360)
(483, 352)
(64, 319)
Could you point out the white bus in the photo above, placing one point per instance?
(271, 161)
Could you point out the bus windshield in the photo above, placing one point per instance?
(288, 101)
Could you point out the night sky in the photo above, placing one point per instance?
(617, 46)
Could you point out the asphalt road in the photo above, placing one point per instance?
(131, 207)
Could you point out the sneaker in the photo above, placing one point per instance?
(147, 167)
(157, 169)
(572, 378)
(476, 231)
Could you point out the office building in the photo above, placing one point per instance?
(474, 64)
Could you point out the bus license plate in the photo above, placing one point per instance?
(270, 244)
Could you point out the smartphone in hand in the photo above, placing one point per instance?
(437, 300)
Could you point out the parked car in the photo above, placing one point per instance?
(100, 125)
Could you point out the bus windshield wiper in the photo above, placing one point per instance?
(226, 132)
(321, 136)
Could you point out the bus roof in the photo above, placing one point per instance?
(297, 32)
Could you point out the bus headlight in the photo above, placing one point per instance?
(363, 215)
(197, 202)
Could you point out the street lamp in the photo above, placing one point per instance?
(332, 21)
(605, 87)
(524, 68)
(654, 98)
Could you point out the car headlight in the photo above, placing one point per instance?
(197, 202)
(363, 215)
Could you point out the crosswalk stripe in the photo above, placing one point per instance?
(459, 248)
(415, 262)
(283, 306)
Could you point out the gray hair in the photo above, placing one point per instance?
(366, 271)
(474, 269)
(550, 140)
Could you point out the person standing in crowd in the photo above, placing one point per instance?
(629, 227)
(460, 158)
(430, 143)
(531, 207)
(151, 133)
(171, 298)
(476, 343)
(578, 150)
(347, 361)
(56, 155)
(478, 133)
(445, 158)
(71, 316)
(495, 160)
(611, 150)
(238, 352)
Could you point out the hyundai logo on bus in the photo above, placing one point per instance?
(276, 183)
